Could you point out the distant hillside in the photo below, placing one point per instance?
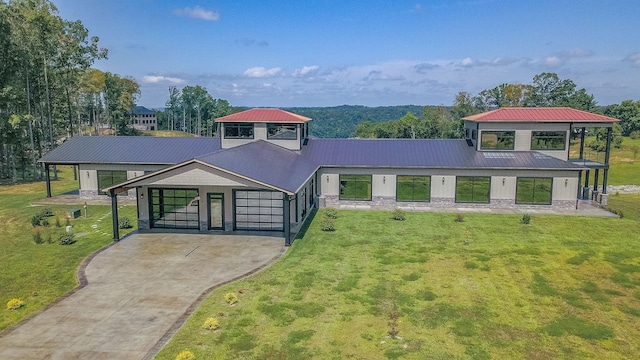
(341, 121)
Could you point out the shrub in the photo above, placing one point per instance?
(635, 134)
(67, 239)
(526, 219)
(231, 298)
(211, 324)
(48, 236)
(459, 218)
(331, 213)
(327, 225)
(35, 220)
(124, 223)
(15, 304)
(37, 235)
(58, 224)
(185, 355)
(46, 212)
(44, 222)
(398, 214)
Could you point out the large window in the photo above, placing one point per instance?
(473, 189)
(108, 178)
(259, 210)
(282, 131)
(531, 190)
(238, 130)
(497, 140)
(174, 208)
(413, 188)
(548, 140)
(355, 187)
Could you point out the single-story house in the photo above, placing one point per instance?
(265, 173)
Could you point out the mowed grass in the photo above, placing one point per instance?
(624, 163)
(41, 273)
(487, 287)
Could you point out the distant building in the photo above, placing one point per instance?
(143, 118)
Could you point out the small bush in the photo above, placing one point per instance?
(635, 134)
(331, 213)
(35, 220)
(526, 219)
(399, 214)
(44, 222)
(185, 355)
(211, 324)
(46, 212)
(67, 239)
(231, 298)
(459, 218)
(124, 223)
(328, 225)
(37, 235)
(58, 224)
(15, 304)
(48, 237)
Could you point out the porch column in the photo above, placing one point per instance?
(114, 214)
(47, 179)
(582, 130)
(607, 154)
(595, 182)
(585, 189)
(286, 221)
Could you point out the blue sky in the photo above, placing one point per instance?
(374, 53)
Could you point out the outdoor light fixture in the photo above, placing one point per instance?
(566, 182)
(87, 174)
(443, 180)
(503, 180)
(141, 195)
(135, 174)
(384, 179)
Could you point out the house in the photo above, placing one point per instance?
(265, 173)
(143, 118)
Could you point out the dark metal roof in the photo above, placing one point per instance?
(130, 150)
(141, 110)
(427, 153)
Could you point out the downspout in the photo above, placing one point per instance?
(114, 214)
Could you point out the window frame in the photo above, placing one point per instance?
(275, 126)
(101, 174)
(183, 200)
(259, 210)
(413, 180)
(499, 139)
(473, 190)
(538, 137)
(238, 126)
(533, 190)
(359, 181)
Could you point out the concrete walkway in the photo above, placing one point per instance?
(136, 294)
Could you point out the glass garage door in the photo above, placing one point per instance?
(174, 208)
(258, 210)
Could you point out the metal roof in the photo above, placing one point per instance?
(141, 110)
(264, 115)
(130, 150)
(539, 114)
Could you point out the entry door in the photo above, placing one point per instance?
(215, 202)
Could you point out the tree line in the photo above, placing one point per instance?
(192, 110)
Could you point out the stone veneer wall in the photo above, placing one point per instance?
(380, 202)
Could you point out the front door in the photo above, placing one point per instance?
(215, 208)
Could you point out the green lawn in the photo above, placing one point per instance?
(625, 162)
(41, 273)
(488, 287)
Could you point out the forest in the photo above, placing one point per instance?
(49, 92)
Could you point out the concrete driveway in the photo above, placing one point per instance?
(138, 292)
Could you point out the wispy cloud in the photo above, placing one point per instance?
(306, 71)
(197, 13)
(261, 72)
(634, 58)
(251, 42)
(154, 79)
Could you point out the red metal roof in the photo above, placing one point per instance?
(541, 114)
(264, 115)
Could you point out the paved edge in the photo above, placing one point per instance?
(164, 340)
(82, 282)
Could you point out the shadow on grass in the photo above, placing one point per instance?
(305, 226)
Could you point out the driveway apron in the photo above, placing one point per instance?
(138, 292)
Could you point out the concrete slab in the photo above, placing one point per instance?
(139, 292)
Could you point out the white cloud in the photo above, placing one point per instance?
(306, 71)
(634, 58)
(467, 62)
(154, 79)
(261, 72)
(197, 13)
(552, 61)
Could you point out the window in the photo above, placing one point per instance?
(108, 178)
(413, 188)
(238, 130)
(259, 210)
(282, 131)
(548, 140)
(466, 133)
(535, 191)
(473, 189)
(174, 208)
(497, 140)
(473, 134)
(355, 187)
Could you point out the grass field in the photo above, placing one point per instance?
(41, 273)
(625, 162)
(488, 287)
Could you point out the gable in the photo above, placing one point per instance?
(197, 177)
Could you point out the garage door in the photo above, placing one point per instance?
(258, 210)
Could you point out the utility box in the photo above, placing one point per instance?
(73, 213)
